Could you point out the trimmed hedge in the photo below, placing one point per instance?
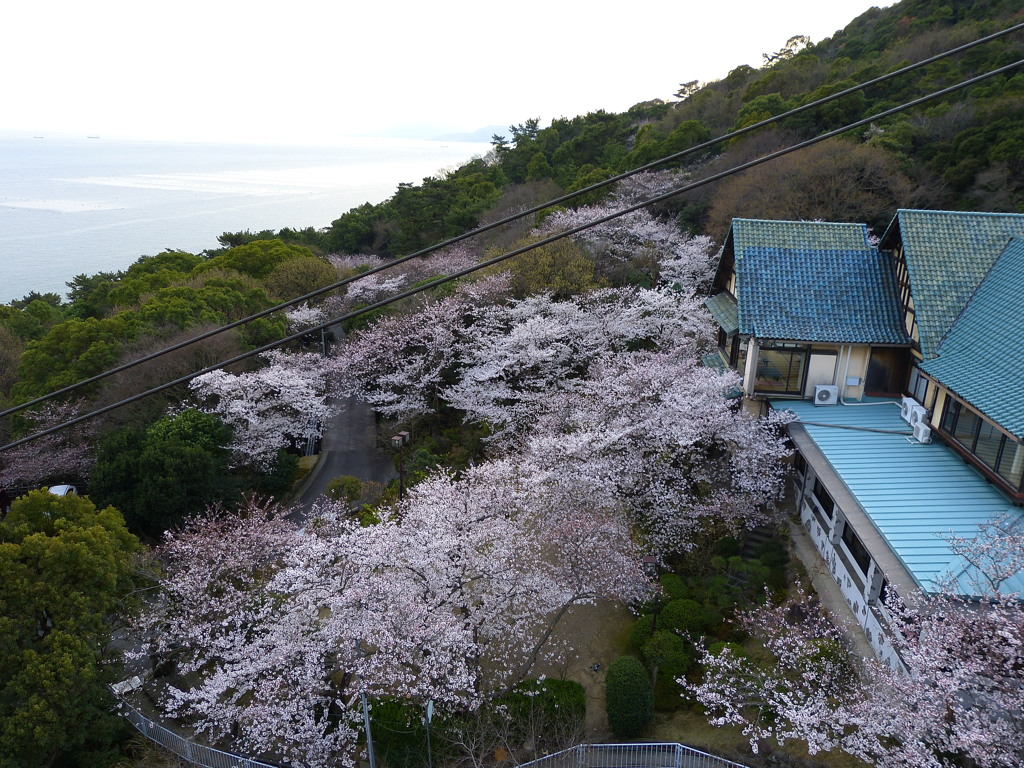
(629, 699)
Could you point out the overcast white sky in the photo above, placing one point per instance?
(313, 71)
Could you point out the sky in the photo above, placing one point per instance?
(314, 72)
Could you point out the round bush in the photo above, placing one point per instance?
(674, 587)
(344, 488)
(640, 632)
(685, 616)
(629, 699)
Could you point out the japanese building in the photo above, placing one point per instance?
(903, 364)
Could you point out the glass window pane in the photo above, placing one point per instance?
(949, 415)
(989, 440)
(966, 427)
(780, 369)
(1011, 467)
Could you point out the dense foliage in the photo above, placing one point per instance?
(66, 569)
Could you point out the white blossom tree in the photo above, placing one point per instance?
(283, 399)
(957, 693)
(66, 455)
(275, 631)
(654, 436)
(521, 353)
(639, 236)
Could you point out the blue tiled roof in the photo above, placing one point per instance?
(981, 359)
(948, 254)
(817, 294)
(813, 281)
(723, 308)
(914, 494)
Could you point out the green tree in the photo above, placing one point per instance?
(295, 277)
(175, 468)
(256, 258)
(561, 268)
(66, 570)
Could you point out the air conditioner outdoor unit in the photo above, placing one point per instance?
(905, 407)
(918, 415)
(922, 432)
(826, 394)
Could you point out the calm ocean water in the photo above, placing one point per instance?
(69, 206)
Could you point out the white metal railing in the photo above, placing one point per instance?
(197, 754)
(649, 755)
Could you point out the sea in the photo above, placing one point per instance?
(78, 205)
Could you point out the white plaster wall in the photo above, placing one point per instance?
(867, 616)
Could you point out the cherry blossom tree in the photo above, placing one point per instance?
(639, 236)
(957, 693)
(66, 455)
(283, 399)
(381, 285)
(521, 353)
(400, 363)
(509, 550)
(453, 598)
(277, 632)
(304, 316)
(653, 435)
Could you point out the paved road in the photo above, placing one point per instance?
(349, 448)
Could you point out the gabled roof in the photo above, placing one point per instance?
(981, 359)
(948, 254)
(914, 494)
(813, 281)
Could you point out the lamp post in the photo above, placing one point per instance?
(653, 571)
(398, 442)
(366, 715)
(427, 719)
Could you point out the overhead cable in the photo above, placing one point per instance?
(699, 148)
(524, 249)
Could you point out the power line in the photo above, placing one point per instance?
(518, 251)
(515, 217)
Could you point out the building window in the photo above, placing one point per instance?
(856, 549)
(966, 428)
(781, 369)
(823, 498)
(985, 442)
(988, 444)
(918, 386)
(1011, 463)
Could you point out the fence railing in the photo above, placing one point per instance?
(650, 755)
(655, 755)
(197, 754)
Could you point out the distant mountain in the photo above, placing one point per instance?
(481, 134)
(435, 132)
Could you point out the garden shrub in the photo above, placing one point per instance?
(344, 488)
(629, 699)
(687, 616)
(671, 653)
(640, 632)
(674, 587)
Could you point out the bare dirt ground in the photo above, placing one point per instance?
(598, 634)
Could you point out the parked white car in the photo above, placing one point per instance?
(63, 490)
